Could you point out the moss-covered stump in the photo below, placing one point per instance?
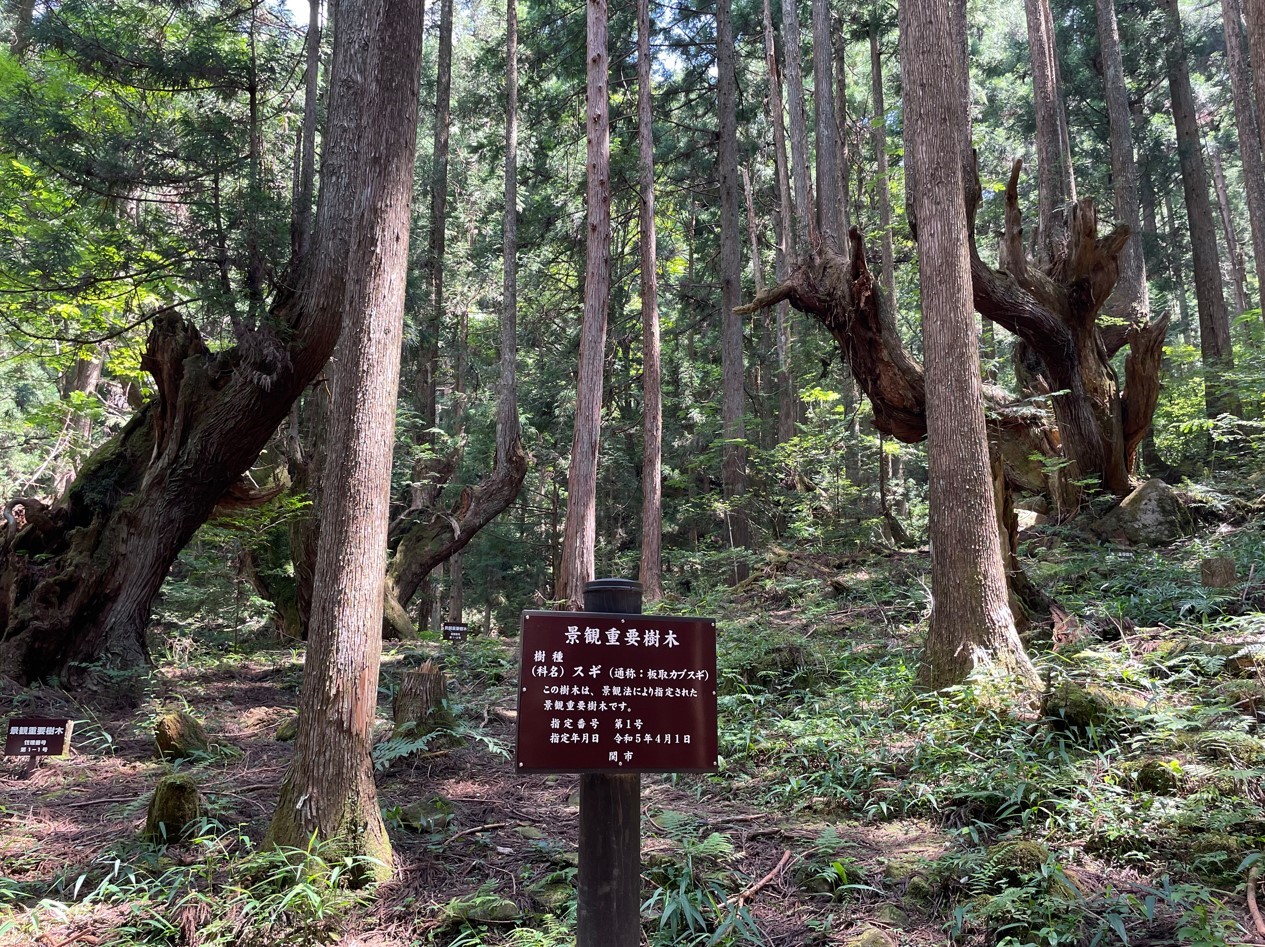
(174, 810)
(177, 735)
(554, 893)
(1218, 573)
(419, 707)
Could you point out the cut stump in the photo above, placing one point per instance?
(419, 707)
(175, 809)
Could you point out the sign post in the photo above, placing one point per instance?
(34, 738)
(611, 693)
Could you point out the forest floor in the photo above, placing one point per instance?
(1130, 808)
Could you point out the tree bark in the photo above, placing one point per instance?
(1130, 300)
(805, 218)
(82, 378)
(971, 626)
(733, 399)
(832, 208)
(651, 570)
(883, 182)
(1238, 274)
(1254, 14)
(328, 792)
(1214, 320)
(785, 233)
(1056, 185)
(580, 534)
(1247, 128)
(22, 13)
(305, 183)
(429, 533)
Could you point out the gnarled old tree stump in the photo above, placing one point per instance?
(1096, 426)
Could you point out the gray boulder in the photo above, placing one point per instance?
(1152, 515)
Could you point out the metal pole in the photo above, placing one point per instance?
(609, 908)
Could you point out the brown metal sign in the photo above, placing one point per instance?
(611, 692)
(37, 736)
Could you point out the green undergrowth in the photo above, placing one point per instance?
(1139, 777)
(223, 891)
(1126, 809)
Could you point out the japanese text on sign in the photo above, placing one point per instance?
(617, 692)
(37, 736)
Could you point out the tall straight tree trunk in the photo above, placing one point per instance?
(1238, 272)
(785, 233)
(1254, 15)
(1247, 126)
(508, 432)
(328, 792)
(651, 571)
(733, 399)
(305, 183)
(1054, 164)
(82, 378)
(883, 183)
(1130, 300)
(1176, 245)
(437, 241)
(832, 207)
(580, 534)
(971, 625)
(1214, 319)
(805, 219)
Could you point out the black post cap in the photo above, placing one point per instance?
(622, 596)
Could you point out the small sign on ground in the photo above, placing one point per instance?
(37, 736)
(455, 631)
(619, 693)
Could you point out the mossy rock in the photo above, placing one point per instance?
(483, 908)
(1014, 863)
(1234, 746)
(288, 729)
(1244, 659)
(893, 915)
(555, 896)
(778, 662)
(810, 878)
(904, 867)
(871, 937)
(1152, 515)
(433, 814)
(1072, 706)
(178, 735)
(1247, 697)
(1156, 776)
(174, 810)
(1212, 843)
